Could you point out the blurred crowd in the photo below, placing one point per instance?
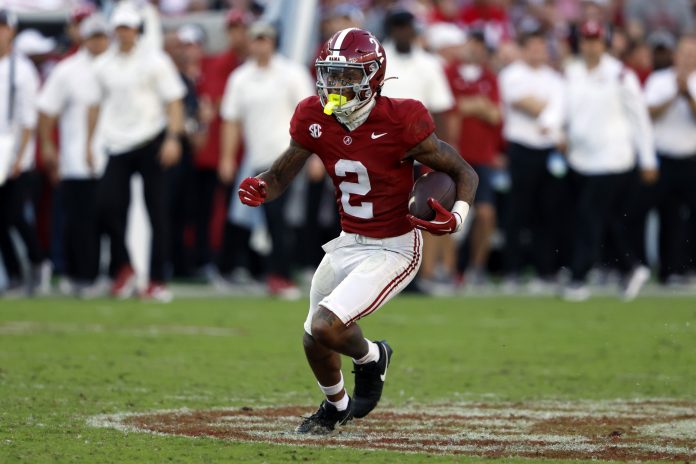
(578, 115)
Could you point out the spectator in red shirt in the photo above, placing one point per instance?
(211, 87)
(444, 11)
(489, 18)
(477, 121)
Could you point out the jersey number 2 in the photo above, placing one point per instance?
(361, 187)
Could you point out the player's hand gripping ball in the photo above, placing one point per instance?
(252, 191)
(436, 185)
(445, 222)
(432, 198)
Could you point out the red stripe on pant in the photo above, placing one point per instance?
(394, 282)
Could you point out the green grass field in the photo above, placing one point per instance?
(62, 361)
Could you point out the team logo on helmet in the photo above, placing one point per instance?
(315, 130)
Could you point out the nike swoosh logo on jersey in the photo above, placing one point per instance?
(376, 136)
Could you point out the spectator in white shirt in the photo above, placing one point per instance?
(19, 83)
(533, 98)
(607, 123)
(141, 118)
(671, 98)
(65, 97)
(420, 75)
(260, 98)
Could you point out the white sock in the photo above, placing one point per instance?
(333, 389)
(372, 353)
(342, 404)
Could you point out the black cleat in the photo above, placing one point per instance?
(324, 421)
(369, 381)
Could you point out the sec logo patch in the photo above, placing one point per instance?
(315, 130)
(347, 140)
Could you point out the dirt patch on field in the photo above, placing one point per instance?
(611, 430)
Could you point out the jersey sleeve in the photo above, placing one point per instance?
(169, 84)
(299, 124)
(231, 105)
(52, 96)
(29, 91)
(418, 123)
(511, 85)
(659, 90)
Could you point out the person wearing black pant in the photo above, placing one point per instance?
(670, 94)
(65, 97)
(536, 200)
(260, 97)
(141, 119)
(602, 209)
(114, 199)
(14, 196)
(607, 123)
(532, 94)
(18, 90)
(675, 191)
(185, 47)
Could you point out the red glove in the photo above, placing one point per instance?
(252, 191)
(445, 222)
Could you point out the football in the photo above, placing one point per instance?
(437, 185)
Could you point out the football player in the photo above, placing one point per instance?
(368, 144)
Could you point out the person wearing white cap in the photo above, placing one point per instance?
(19, 83)
(609, 139)
(259, 101)
(32, 42)
(65, 97)
(140, 111)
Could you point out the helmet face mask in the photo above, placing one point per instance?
(350, 71)
(346, 84)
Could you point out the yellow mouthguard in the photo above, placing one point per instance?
(334, 101)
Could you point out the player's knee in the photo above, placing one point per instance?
(308, 342)
(322, 332)
(326, 327)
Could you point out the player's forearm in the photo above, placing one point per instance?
(463, 174)
(284, 170)
(441, 156)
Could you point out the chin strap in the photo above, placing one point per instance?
(357, 117)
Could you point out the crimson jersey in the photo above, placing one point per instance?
(479, 141)
(372, 182)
